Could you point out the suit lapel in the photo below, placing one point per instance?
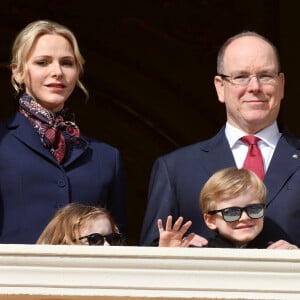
(285, 161)
(21, 128)
(219, 154)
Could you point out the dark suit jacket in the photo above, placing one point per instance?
(220, 241)
(177, 179)
(33, 185)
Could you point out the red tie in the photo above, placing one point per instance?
(253, 161)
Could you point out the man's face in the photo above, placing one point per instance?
(256, 105)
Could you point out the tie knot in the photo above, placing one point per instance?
(250, 139)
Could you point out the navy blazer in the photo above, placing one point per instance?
(177, 179)
(33, 185)
(220, 241)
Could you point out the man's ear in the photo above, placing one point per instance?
(210, 221)
(219, 85)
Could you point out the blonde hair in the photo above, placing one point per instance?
(228, 183)
(27, 38)
(64, 226)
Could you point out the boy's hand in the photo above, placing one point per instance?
(173, 236)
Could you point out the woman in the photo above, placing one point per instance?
(79, 224)
(45, 162)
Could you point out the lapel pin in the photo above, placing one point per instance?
(295, 156)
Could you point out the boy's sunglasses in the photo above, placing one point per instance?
(97, 239)
(232, 214)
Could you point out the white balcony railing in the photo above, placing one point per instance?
(75, 272)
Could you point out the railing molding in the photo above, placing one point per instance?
(61, 272)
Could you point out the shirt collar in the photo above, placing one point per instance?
(269, 135)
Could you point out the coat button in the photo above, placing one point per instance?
(61, 183)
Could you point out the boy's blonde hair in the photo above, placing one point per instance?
(229, 183)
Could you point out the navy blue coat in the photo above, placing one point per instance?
(33, 185)
(177, 179)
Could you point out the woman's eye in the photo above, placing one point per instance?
(67, 63)
(41, 62)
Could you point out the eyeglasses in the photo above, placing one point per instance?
(232, 214)
(97, 239)
(244, 79)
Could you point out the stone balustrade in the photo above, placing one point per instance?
(47, 272)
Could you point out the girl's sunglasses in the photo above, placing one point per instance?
(97, 239)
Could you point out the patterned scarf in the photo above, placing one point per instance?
(54, 129)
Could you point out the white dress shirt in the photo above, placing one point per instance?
(269, 138)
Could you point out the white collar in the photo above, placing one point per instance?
(269, 135)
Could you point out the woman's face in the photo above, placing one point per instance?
(52, 71)
(100, 224)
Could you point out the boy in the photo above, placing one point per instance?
(233, 205)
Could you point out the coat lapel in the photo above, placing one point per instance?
(77, 152)
(20, 127)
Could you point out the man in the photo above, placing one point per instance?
(251, 86)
